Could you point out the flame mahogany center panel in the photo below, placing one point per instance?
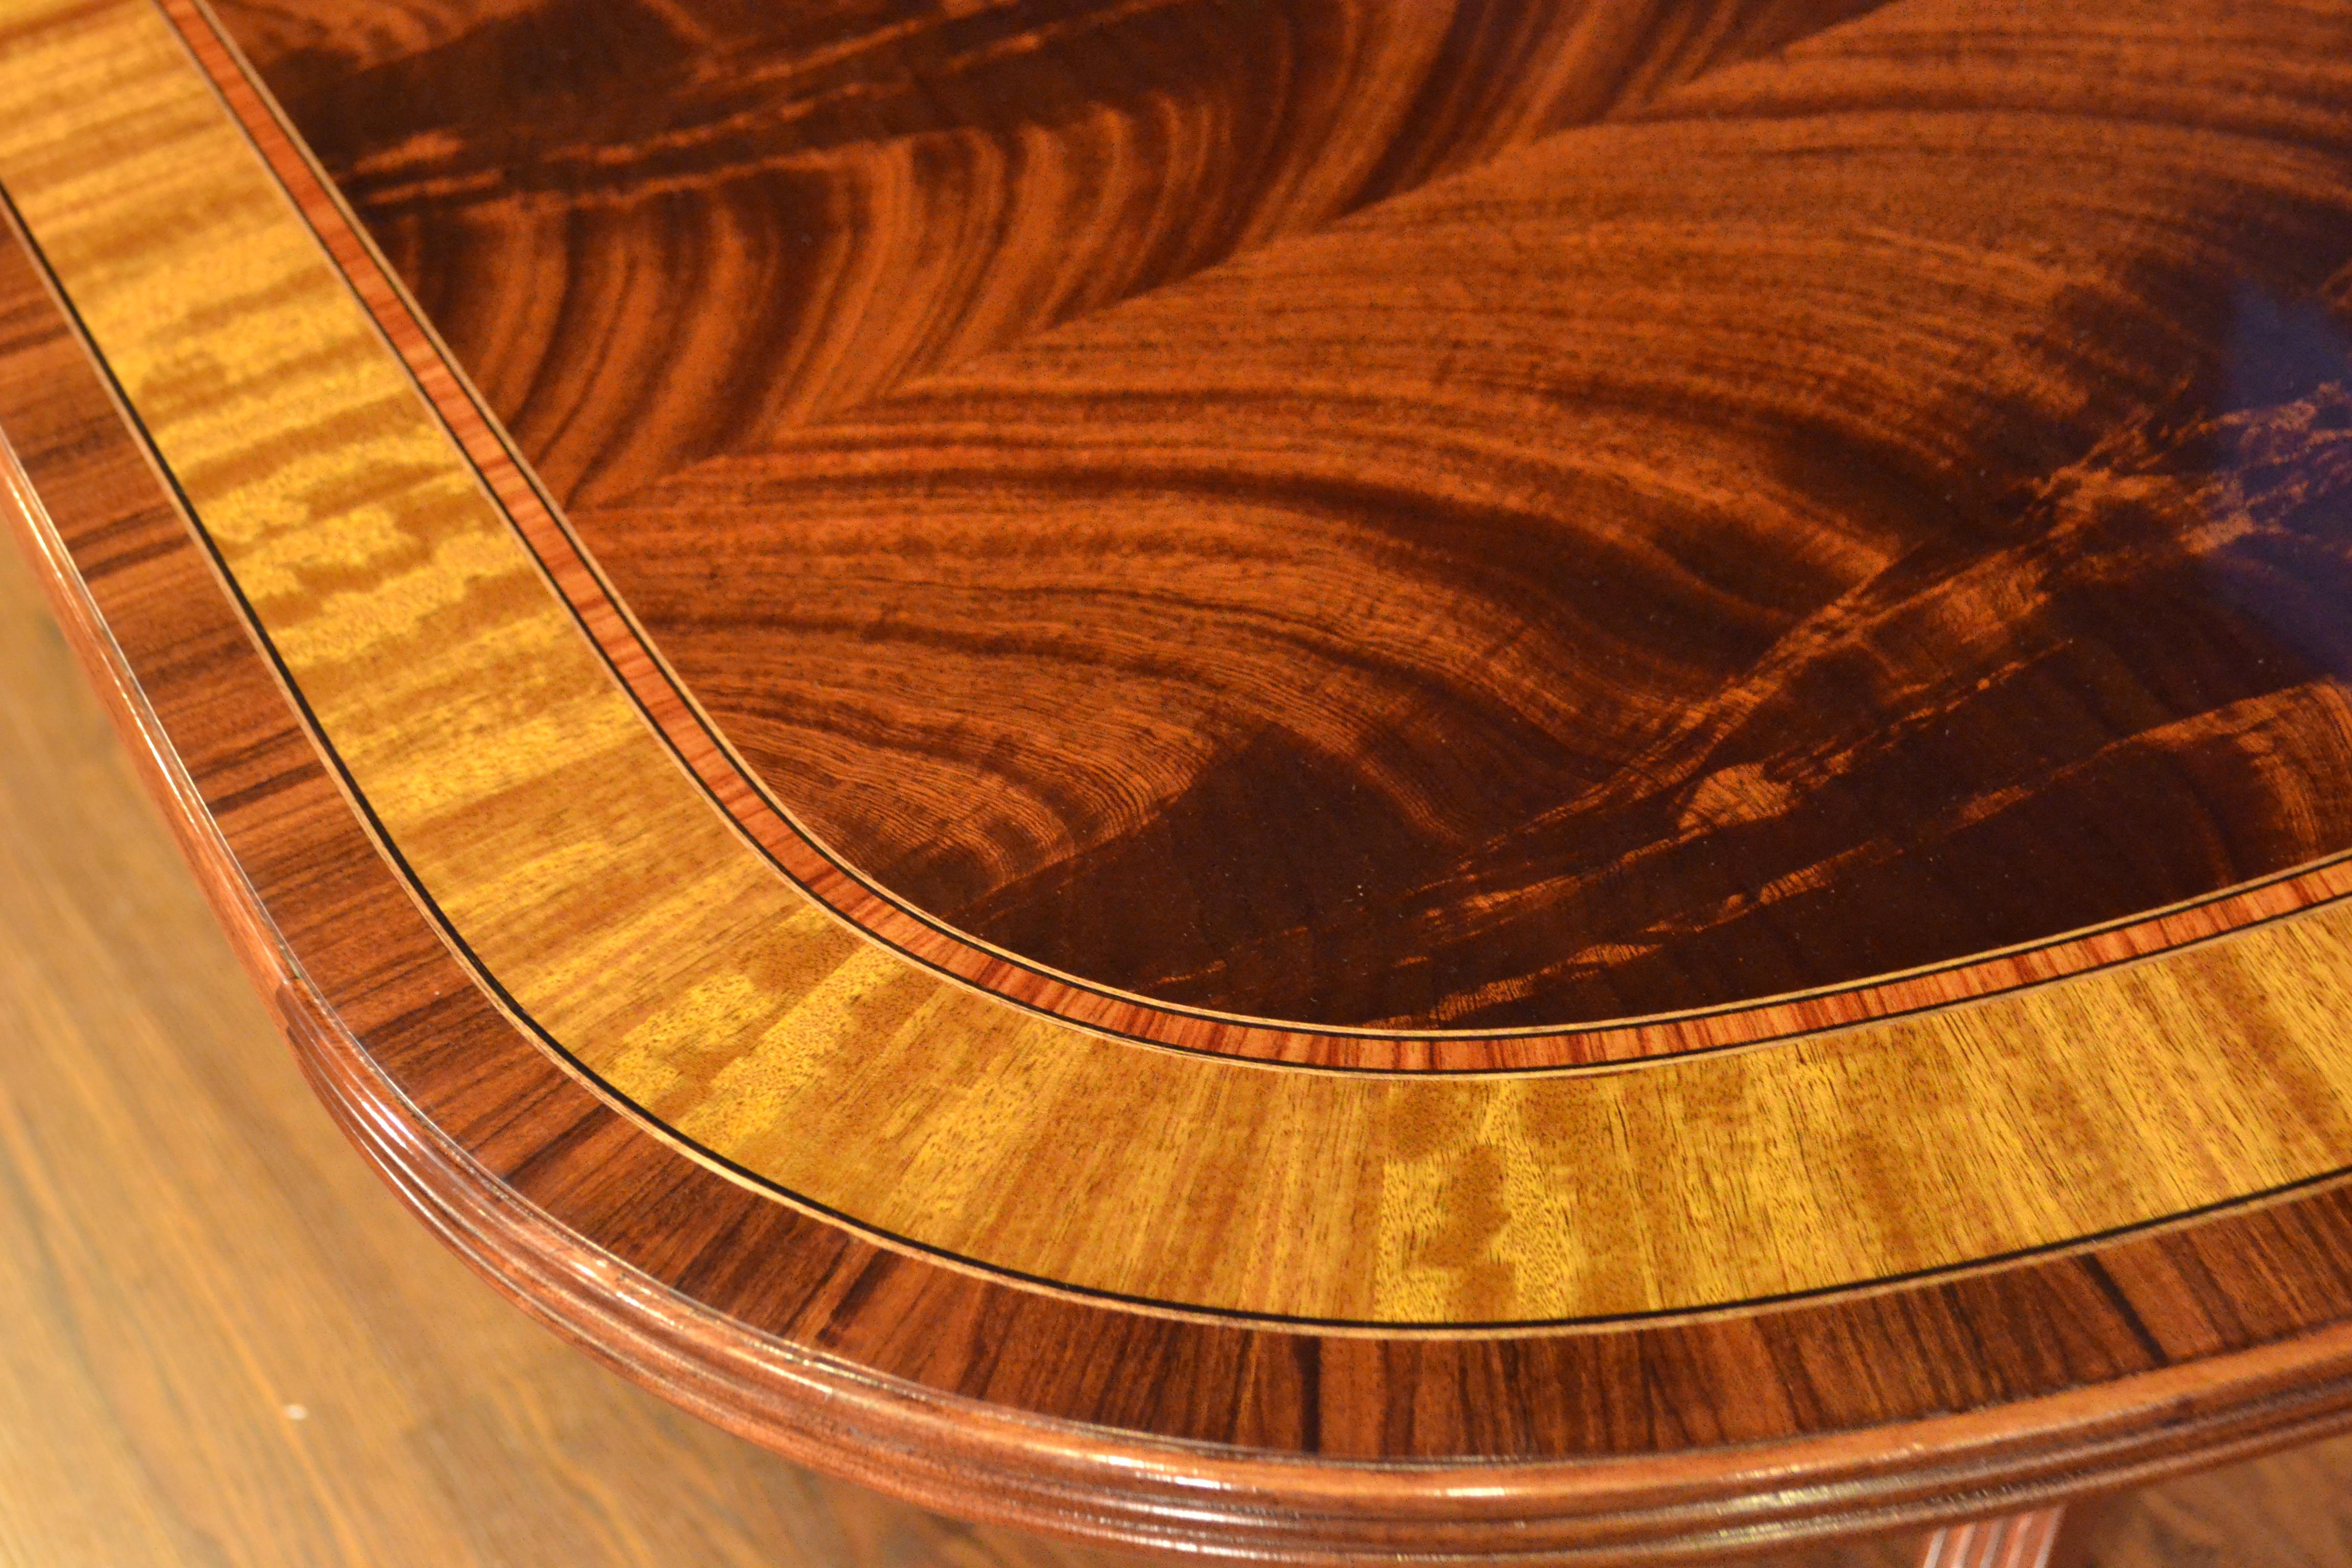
(1468, 516)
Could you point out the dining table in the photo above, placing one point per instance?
(1324, 781)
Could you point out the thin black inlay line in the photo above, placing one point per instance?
(758, 1182)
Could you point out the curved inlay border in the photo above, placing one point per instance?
(599, 889)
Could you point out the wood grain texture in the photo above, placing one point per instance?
(610, 905)
(2077, 1169)
(889, 187)
(188, 1252)
(1690, 562)
(1536, 601)
(437, 1429)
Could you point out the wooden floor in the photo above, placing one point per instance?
(222, 1343)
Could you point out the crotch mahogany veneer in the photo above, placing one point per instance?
(1324, 780)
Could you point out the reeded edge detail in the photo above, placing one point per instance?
(1203, 1501)
(700, 747)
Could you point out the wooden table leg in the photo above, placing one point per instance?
(2019, 1541)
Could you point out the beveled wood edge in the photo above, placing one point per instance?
(1085, 1483)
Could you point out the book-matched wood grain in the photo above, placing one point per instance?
(886, 186)
(999, 1261)
(1685, 561)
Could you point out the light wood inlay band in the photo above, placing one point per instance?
(611, 901)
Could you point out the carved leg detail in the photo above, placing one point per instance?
(2020, 1541)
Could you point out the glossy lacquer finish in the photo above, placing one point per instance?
(1489, 781)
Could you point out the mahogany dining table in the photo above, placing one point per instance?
(1307, 780)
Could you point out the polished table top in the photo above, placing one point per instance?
(1482, 779)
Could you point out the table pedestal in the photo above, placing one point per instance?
(2019, 1541)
